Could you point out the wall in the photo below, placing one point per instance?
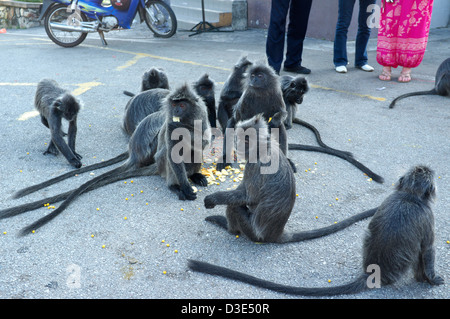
(17, 14)
(323, 17)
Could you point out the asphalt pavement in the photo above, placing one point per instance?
(131, 239)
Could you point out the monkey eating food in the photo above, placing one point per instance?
(261, 205)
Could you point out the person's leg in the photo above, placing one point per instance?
(363, 35)
(298, 24)
(345, 12)
(276, 33)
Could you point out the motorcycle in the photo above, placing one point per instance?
(67, 22)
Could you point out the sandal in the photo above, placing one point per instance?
(405, 76)
(385, 74)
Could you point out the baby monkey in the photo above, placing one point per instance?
(54, 104)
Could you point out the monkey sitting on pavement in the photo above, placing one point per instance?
(261, 205)
(400, 236)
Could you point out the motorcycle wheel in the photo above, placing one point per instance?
(65, 39)
(160, 18)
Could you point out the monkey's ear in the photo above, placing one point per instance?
(400, 183)
(430, 193)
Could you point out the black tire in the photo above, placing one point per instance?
(72, 38)
(164, 25)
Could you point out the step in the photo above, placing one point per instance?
(189, 12)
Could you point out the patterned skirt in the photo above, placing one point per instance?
(403, 33)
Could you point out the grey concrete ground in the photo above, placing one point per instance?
(92, 251)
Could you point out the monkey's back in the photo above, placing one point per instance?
(140, 106)
(395, 234)
(273, 196)
(253, 102)
(47, 92)
(443, 78)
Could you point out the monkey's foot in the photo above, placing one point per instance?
(53, 152)
(199, 179)
(220, 221)
(184, 193)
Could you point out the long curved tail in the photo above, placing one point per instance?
(17, 210)
(358, 285)
(57, 179)
(104, 179)
(318, 137)
(377, 178)
(325, 231)
(430, 92)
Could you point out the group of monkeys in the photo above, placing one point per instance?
(400, 234)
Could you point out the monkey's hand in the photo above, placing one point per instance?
(209, 201)
(78, 156)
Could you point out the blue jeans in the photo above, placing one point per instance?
(296, 31)
(362, 37)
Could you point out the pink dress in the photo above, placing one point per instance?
(403, 33)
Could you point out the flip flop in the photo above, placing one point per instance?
(386, 75)
(404, 77)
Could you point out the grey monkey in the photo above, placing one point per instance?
(147, 154)
(441, 86)
(154, 78)
(151, 101)
(262, 94)
(261, 205)
(54, 104)
(232, 91)
(400, 236)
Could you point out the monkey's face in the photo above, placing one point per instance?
(258, 80)
(180, 108)
(297, 89)
(68, 106)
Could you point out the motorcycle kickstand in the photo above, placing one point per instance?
(102, 37)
